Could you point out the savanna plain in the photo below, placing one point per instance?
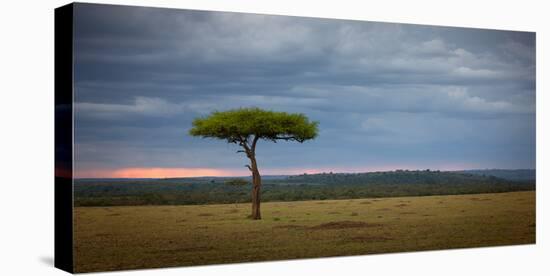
(134, 237)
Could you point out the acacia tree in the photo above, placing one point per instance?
(246, 126)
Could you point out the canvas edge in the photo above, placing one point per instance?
(64, 129)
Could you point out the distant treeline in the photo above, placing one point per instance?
(521, 174)
(209, 190)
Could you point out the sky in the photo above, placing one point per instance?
(386, 96)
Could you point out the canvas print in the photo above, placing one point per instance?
(206, 137)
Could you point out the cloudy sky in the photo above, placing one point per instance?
(387, 96)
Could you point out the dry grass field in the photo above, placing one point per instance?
(112, 238)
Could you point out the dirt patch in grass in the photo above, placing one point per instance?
(206, 215)
(183, 249)
(333, 213)
(407, 213)
(401, 205)
(289, 226)
(369, 239)
(365, 202)
(345, 224)
(232, 211)
(479, 199)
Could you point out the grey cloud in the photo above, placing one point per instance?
(383, 93)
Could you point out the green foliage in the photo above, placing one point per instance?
(520, 174)
(238, 124)
(204, 190)
(237, 182)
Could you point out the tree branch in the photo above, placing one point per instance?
(244, 143)
(256, 138)
(248, 166)
(286, 138)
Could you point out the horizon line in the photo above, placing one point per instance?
(306, 173)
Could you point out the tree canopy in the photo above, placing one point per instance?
(237, 125)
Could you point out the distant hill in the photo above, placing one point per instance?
(398, 177)
(204, 190)
(520, 174)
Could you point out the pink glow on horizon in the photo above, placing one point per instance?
(157, 173)
(197, 172)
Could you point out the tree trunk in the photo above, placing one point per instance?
(256, 184)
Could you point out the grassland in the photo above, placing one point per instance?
(131, 237)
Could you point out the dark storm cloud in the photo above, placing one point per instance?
(384, 94)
